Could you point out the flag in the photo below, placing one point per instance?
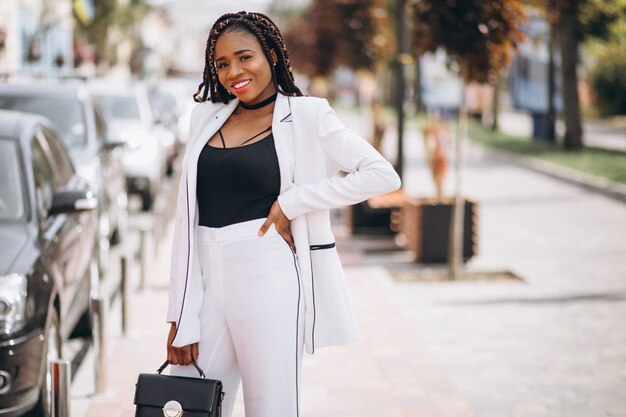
(85, 11)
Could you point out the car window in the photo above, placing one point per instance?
(67, 114)
(11, 191)
(46, 182)
(120, 107)
(62, 162)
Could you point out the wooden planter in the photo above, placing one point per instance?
(377, 215)
(425, 223)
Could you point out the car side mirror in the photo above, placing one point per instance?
(111, 144)
(72, 202)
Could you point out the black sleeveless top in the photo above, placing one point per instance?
(237, 184)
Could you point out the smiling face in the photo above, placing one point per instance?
(242, 67)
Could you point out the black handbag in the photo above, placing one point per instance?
(159, 395)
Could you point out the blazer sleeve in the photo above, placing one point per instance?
(368, 173)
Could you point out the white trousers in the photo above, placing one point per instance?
(252, 318)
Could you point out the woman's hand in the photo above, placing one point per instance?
(183, 355)
(281, 222)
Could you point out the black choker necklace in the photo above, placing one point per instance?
(264, 103)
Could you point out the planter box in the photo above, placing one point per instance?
(377, 215)
(425, 224)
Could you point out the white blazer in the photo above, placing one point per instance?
(312, 146)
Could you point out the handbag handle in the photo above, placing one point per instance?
(193, 362)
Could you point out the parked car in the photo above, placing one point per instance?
(48, 259)
(82, 126)
(165, 110)
(128, 113)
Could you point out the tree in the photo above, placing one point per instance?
(479, 37)
(109, 14)
(573, 22)
(96, 30)
(352, 33)
(331, 33)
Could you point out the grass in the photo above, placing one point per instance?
(604, 163)
(609, 164)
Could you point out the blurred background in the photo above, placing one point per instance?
(492, 284)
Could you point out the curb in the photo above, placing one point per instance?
(589, 182)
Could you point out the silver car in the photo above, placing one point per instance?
(130, 119)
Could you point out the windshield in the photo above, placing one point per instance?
(11, 198)
(162, 103)
(120, 107)
(66, 114)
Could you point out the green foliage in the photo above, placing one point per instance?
(594, 17)
(608, 80)
(96, 31)
(109, 14)
(478, 35)
(601, 162)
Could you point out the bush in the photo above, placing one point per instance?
(608, 80)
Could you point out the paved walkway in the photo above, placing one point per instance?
(552, 345)
(388, 373)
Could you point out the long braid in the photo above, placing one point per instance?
(268, 35)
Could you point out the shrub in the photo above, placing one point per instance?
(608, 80)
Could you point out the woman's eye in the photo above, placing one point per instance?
(221, 65)
(245, 57)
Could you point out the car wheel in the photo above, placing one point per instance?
(52, 351)
(146, 201)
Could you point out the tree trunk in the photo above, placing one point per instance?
(495, 104)
(566, 29)
(455, 240)
(403, 47)
(419, 103)
(550, 132)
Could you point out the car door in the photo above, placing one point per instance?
(61, 234)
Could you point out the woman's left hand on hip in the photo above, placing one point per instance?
(281, 222)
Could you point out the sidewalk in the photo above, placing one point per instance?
(552, 345)
(597, 133)
(388, 373)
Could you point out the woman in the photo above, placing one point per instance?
(255, 274)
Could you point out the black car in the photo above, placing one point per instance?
(82, 127)
(48, 259)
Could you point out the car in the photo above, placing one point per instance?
(165, 110)
(128, 113)
(49, 236)
(81, 123)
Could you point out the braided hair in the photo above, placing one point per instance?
(268, 35)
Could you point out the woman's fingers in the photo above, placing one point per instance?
(266, 225)
(194, 352)
(281, 223)
(186, 355)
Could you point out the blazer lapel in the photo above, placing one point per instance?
(212, 124)
(283, 142)
(282, 129)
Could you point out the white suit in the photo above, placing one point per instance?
(311, 145)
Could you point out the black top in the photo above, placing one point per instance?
(237, 184)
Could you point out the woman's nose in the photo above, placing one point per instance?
(234, 71)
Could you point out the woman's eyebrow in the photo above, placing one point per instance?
(239, 52)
